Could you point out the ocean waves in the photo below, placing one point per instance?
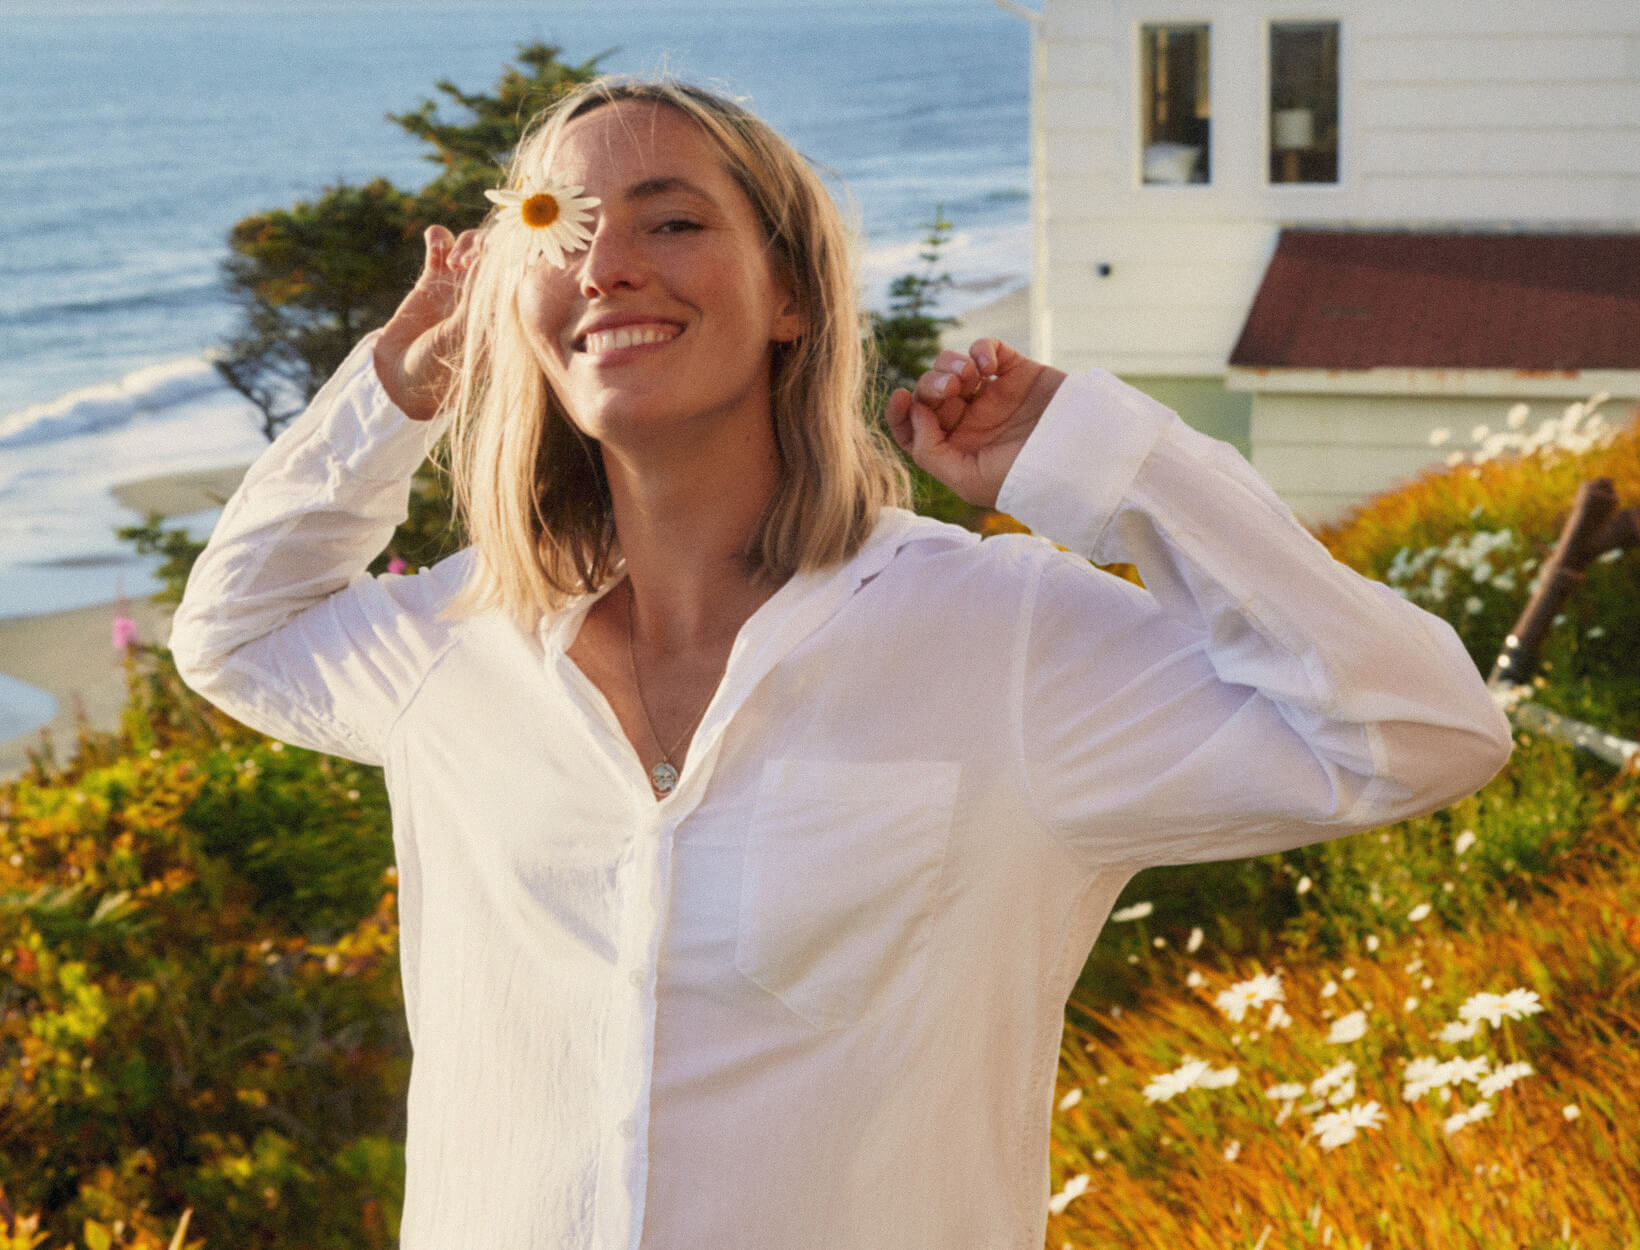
(93, 408)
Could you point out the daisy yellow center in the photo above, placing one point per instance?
(539, 210)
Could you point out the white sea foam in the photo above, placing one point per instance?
(92, 408)
(58, 547)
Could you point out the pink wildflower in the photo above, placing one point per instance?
(125, 632)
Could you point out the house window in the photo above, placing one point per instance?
(1304, 102)
(1176, 104)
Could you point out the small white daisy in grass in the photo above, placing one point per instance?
(1335, 1075)
(1571, 1111)
(1482, 1006)
(1459, 1032)
(1195, 942)
(1071, 1098)
(1289, 1092)
(1278, 1017)
(1464, 841)
(1462, 1119)
(1183, 1077)
(1471, 1070)
(1195, 980)
(1137, 912)
(1420, 912)
(1232, 1149)
(1350, 1028)
(1501, 1079)
(1192, 1073)
(1253, 992)
(553, 211)
(1074, 1188)
(1338, 1127)
(1518, 1004)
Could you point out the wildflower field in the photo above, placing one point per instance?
(1425, 1036)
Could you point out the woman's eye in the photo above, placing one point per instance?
(678, 225)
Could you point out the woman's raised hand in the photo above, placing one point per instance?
(425, 329)
(968, 416)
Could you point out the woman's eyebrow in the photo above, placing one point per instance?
(649, 188)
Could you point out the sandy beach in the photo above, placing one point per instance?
(70, 655)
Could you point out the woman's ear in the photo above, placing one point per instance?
(789, 322)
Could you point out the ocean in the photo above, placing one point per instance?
(137, 133)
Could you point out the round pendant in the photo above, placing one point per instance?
(663, 777)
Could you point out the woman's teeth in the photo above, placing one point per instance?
(601, 341)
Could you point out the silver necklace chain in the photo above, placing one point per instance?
(663, 777)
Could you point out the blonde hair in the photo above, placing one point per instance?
(530, 487)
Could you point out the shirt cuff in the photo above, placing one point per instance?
(1082, 458)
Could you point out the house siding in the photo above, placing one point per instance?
(1507, 115)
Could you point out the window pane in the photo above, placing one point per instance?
(1304, 102)
(1176, 104)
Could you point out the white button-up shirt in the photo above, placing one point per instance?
(813, 999)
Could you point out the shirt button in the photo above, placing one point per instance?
(628, 1128)
(637, 977)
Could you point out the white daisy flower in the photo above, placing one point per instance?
(1460, 1032)
(1464, 841)
(1075, 1187)
(1255, 992)
(1195, 942)
(1518, 1004)
(1350, 1028)
(1137, 912)
(555, 213)
(1070, 1099)
(1482, 1006)
(1337, 1127)
(1285, 1093)
(1335, 1075)
(1462, 1118)
(1500, 1080)
(1183, 1077)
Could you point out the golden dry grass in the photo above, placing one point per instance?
(1557, 1163)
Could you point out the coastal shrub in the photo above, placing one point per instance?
(312, 279)
(1466, 542)
(199, 999)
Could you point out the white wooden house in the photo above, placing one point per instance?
(1174, 141)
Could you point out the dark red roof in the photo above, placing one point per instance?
(1359, 299)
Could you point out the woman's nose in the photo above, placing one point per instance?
(610, 262)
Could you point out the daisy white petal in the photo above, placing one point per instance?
(1350, 1028)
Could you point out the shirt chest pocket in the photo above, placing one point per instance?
(839, 883)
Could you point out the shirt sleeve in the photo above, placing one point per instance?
(1257, 694)
(280, 625)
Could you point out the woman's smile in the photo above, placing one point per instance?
(613, 336)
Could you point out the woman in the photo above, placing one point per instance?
(751, 831)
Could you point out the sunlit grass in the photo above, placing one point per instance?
(1547, 1158)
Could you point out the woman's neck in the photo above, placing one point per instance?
(684, 527)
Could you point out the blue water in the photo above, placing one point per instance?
(137, 133)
